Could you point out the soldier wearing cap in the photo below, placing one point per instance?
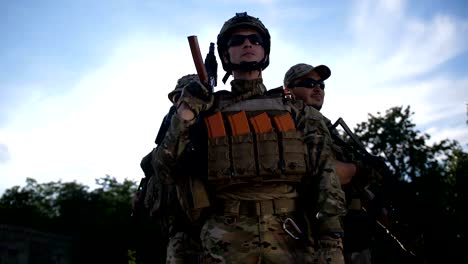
(306, 83)
(261, 158)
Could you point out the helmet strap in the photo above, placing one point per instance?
(244, 66)
(226, 76)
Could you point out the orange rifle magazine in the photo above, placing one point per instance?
(215, 125)
(239, 123)
(284, 122)
(261, 123)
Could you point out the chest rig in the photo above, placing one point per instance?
(254, 141)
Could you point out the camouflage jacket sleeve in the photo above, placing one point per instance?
(330, 204)
(167, 154)
(337, 150)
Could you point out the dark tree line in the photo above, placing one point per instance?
(427, 198)
(98, 221)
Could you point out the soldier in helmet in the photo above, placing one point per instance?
(262, 159)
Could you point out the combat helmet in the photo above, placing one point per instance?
(242, 19)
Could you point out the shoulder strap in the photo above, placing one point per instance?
(278, 91)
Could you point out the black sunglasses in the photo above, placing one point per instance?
(309, 83)
(237, 40)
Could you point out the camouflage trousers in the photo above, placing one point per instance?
(361, 257)
(330, 251)
(183, 249)
(252, 240)
(249, 240)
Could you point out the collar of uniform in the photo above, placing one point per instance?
(247, 88)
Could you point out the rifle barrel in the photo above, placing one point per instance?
(198, 59)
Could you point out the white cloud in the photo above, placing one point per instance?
(395, 61)
(105, 125)
(395, 44)
(458, 132)
(425, 46)
(4, 154)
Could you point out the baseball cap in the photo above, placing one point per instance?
(301, 69)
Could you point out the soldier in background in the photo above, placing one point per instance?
(262, 159)
(161, 206)
(306, 83)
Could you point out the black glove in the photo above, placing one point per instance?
(197, 97)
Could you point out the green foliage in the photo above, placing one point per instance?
(132, 257)
(394, 137)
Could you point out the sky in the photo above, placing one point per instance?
(84, 83)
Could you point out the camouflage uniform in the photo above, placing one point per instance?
(165, 217)
(296, 72)
(357, 223)
(261, 184)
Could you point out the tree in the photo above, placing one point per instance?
(34, 201)
(98, 221)
(426, 183)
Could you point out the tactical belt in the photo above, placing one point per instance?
(257, 208)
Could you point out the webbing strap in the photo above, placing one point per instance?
(259, 208)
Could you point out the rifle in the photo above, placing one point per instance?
(376, 162)
(207, 73)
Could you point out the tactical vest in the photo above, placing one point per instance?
(254, 141)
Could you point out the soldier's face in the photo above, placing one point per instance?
(311, 96)
(243, 48)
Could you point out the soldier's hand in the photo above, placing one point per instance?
(196, 97)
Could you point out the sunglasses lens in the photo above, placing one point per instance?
(310, 83)
(255, 39)
(237, 40)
